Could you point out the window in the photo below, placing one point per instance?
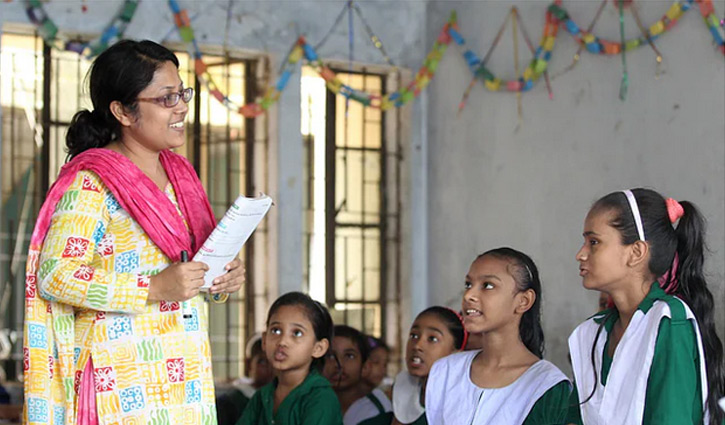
(352, 201)
(230, 152)
(43, 88)
(21, 99)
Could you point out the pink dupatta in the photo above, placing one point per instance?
(141, 198)
(154, 212)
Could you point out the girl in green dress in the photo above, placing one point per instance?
(298, 335)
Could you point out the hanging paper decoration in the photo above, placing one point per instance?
(250, 110)
(400, 97)
(708, 13)
(302, 48)
(377, 42)
(625, 76)
(48, 30)
(594, 44)
(374, 38)
(523, 82)
(351, 6)
(577, 55)
(472, 60)
(556, 15)
(514, 24)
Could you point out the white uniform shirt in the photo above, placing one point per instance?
(406, 398)
(363, 408)
(451, 397)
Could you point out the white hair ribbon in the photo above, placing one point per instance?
(635, 212)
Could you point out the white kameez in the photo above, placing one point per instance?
(453, 399)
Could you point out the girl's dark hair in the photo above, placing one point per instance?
(356, 337)
(688, 241)
(451, 320)
(256, 348)
(374, 343)
(120, 73)
(316, 313)
(526, 276)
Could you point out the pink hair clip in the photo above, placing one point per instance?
(674, 209)
(465, 332)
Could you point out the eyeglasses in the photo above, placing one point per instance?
(171, 99)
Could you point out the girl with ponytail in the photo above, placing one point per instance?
(654, 358)
(507, 381)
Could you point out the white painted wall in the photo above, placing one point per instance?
(490, 185)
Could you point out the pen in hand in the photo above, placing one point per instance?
(185, 305)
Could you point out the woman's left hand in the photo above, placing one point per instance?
(231, 281)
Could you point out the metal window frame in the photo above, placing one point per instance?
(200, 131)
(331, 223)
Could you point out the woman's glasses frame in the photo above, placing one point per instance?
(170, 100)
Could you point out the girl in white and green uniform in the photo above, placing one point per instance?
(436, 332)
(654, 358)
(507, 381)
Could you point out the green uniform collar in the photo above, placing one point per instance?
(313, 381)
(611, 314)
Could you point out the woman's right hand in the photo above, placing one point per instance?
(178, 282)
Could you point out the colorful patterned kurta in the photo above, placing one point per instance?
(151, 366)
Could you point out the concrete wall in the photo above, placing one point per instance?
(491, 184)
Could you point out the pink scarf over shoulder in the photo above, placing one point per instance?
(142, 199)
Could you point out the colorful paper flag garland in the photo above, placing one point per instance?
(537, 66)
(596, 45)
(303, 49)
(250, 110)
(48, 30)
(390, 100)
(556, 15)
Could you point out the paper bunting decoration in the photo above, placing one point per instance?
(556, 16)
(597, 45)
(48, 30)
(480, 71)
(301, 49)
(390, 100)
(250, 110)
(523, 82)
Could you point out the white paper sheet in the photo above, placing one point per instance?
(232, 232)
